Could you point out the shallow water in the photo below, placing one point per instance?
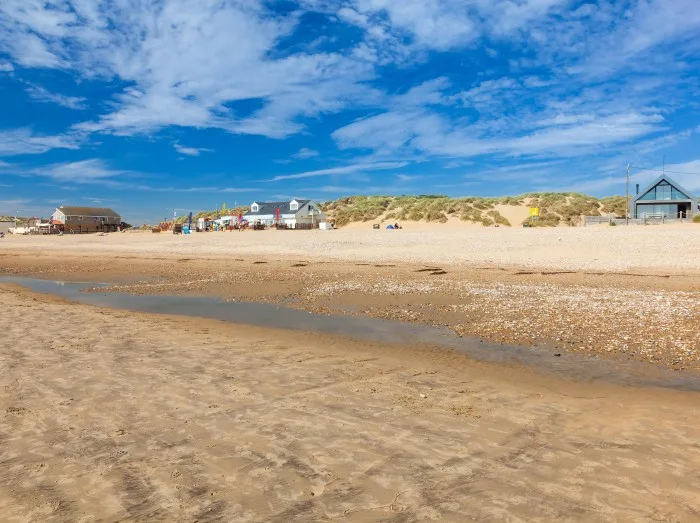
(571, 366)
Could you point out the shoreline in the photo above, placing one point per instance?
(358, 329)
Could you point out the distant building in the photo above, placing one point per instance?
(303, 212)
(86, 219)
(664, 198)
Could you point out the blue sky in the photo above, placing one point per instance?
(151, 106)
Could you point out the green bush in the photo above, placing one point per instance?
(696, 218)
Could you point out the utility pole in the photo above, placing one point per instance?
(627, 196)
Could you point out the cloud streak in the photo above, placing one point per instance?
(347, 169)
(191, 151)
(15, 142)
(40, 94)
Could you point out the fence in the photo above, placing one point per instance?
(297, 226)
(647, 219)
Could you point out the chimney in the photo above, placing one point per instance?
(637, 188)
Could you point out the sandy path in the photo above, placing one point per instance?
(666, 248)
(107, 415)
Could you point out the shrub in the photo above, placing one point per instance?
(696, 218)
(613, 205)
(498, 218)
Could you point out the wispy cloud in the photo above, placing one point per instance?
(179, 57)
(305, 153)
(347, 169)
(40, 94)
(24, 141)
(495, 83)
(85, 171)
(191, 151)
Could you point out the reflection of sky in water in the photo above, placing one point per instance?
(370, 329)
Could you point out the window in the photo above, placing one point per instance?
(294, 206)
(254, 207)
(669, 210)
(664, 191)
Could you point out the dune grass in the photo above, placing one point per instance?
(555, 208)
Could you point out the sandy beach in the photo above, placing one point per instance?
(111, 415)
(583, 290)
(673, 248)
(115, 416)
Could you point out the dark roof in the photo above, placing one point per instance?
(271, 207)
(670, 181)
(69, 210)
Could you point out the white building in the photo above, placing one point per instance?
(293, 213)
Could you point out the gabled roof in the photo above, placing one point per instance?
(669, 180)
(69, 210)
(271, 207)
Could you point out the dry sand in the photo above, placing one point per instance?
(114, 416)
(600, 248)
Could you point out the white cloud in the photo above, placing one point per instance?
(191, 151)
(23, 141)
(444, 24)
(6, 67)
(348, 169)
(429, 133)
(407, 177)
(186, 62)
(42, 95)
(584, 79)
(84, 171)
(388, 131)
(304, 154)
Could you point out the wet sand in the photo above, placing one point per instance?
(646, 315)
(108, 415)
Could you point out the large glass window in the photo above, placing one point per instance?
(664, 191)
(669, 210)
